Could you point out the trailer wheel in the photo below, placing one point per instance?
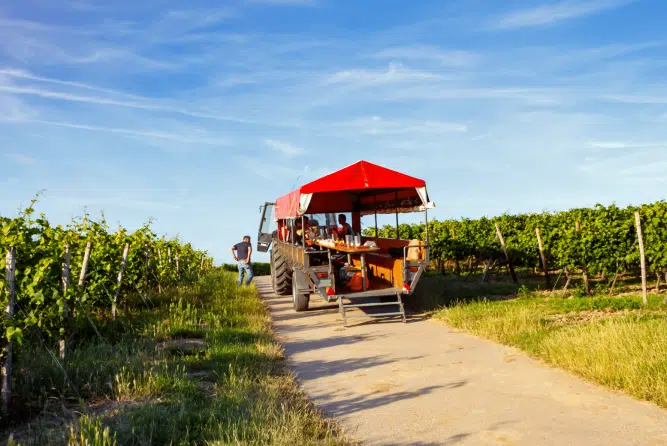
(299, 300)
(282, 273)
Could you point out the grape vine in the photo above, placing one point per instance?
(599, 240)
(154, 263)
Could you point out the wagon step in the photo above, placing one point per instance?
(374, 304)
(399, 303)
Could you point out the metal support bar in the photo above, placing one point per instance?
(376, 215)
(374, 304)
(342, 310)
(363, 271)
(378, 315)
(397, 235)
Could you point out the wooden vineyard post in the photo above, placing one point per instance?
(159, 267)
(84, 270)
(642, 257)
(547, 279)
(178, 271)
(568, 278)
(10, 272)
(65, 283)
(120, 281)
(584, 267)
(507, 255)
(613, 282)
(148, 269)
(485, 277)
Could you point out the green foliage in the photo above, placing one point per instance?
(606, 241)
(90, 432)
(258, 268)
(39, 249)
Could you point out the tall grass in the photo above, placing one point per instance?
(605, 340)
(201, 367)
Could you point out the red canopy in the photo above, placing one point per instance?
(364, 187)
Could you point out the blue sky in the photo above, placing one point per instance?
(197, 113)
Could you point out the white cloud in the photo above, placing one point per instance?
(49, 94)
(395, 73)
(212, 140)
(452, 58)
(284, 147)
(192, 19)
(376, 125)
(646, 99)
(547, 14)
(626, 144)
(22, 74)
(608, 144)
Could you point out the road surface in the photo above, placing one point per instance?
(424, 383)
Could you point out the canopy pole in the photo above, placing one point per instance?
(428, 257)
(397, 235)
(376, 215)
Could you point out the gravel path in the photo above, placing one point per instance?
(424, 383)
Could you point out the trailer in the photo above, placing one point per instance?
(309, 258)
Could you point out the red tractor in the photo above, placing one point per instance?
(316, 251)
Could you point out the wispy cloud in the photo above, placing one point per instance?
(213, 140)
(452, 58)
(647, 99)
(550, 13)
(394, 73)
(193, 19)
(49, 94)
(284, 147)
(22, 74)
(376, 125)
(626, 144)
(608, 144)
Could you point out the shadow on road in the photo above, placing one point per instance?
(337, 404)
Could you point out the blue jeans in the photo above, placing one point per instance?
(245, 268)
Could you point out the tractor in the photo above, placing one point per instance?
(311, 254)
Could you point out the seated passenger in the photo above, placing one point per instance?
(345, 228)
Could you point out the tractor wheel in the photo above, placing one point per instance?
(299, 300)
(281, 272)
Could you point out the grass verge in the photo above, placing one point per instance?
(612, 341)
(200, 367)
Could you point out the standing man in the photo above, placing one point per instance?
(242, 257)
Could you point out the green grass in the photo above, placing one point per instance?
(613, 341)
(201, 368)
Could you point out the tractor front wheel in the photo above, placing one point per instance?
(281, 273)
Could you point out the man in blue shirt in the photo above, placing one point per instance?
(242, 252)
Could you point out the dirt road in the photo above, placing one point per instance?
(423, 383)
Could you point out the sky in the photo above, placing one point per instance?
(194, 114)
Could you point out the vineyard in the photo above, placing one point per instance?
(600, 241)
(61, 282)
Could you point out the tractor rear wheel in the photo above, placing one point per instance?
(281, 272)
(299, 300)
